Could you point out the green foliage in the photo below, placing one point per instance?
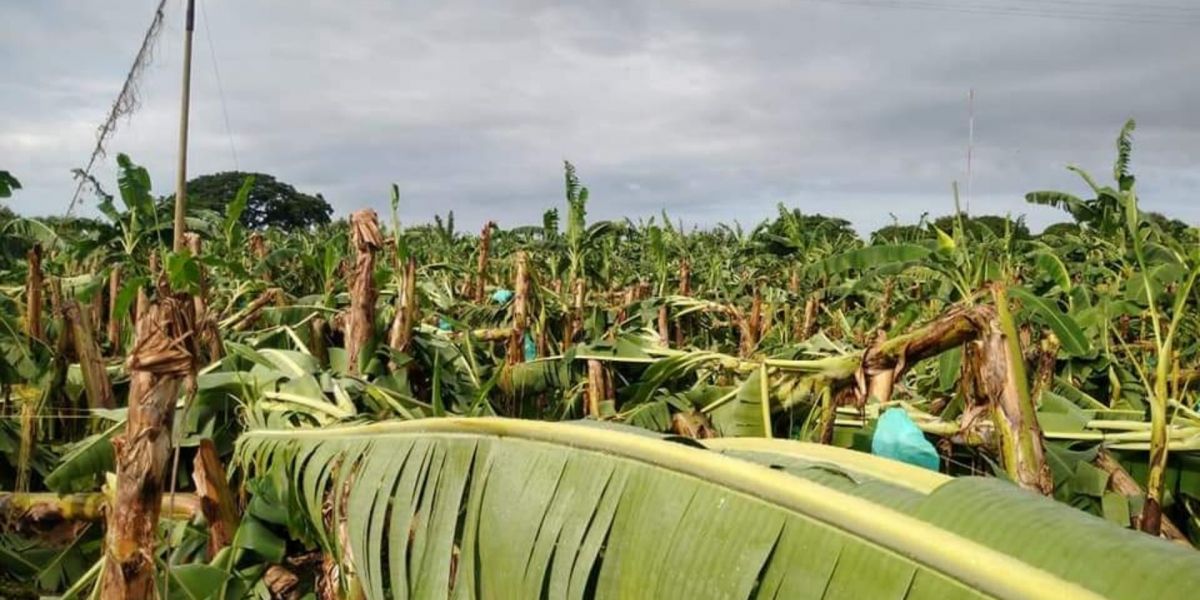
(8, 183)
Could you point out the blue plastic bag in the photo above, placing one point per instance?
(530, 348)
(501, 296)
(898, 438)
(444, 325)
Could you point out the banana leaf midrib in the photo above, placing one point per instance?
(945, 553)
(881, 469)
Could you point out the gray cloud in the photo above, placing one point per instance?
(711, 110)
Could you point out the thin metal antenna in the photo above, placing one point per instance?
(970, 143)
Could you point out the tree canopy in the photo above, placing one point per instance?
(272, 203)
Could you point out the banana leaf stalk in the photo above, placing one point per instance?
(243, 318)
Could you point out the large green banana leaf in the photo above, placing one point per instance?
(500, 508)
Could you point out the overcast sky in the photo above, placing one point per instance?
(713, 110)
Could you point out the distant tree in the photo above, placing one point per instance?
(1172, 227)
(997, 225)
(1061, 229)
(896, 234)
(790, 222)
(272, 203)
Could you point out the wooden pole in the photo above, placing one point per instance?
(163, 355)
(184, 105)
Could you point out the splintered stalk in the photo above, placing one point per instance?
(406, 318)
(1003, 377)
(96, 384)
(114, 319)
(485, 244)
(595, 387)
(365, 240)
(33, 294)
(520, 312)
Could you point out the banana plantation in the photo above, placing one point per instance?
(599, 409)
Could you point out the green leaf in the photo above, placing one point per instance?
(1052, 267)
(254, 536)
(128, 294)
(602, 511)
(1090, 480)
(183, 272)
(1070, 335)
(1115, 508)
(949, 368)
(196, 582)
(134, 183)
(869, 258)
(87, 459)
(1062, 200)
(234, 210)
(8, 183)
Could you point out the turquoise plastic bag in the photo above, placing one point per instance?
(444, 325)
(501, 296)
(530, 348)
(898, 438)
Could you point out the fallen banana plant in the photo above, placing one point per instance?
(502, 508)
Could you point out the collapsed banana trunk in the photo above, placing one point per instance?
(38, 513)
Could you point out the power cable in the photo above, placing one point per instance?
(1060, 13)
(126, 103)
(212, 53)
